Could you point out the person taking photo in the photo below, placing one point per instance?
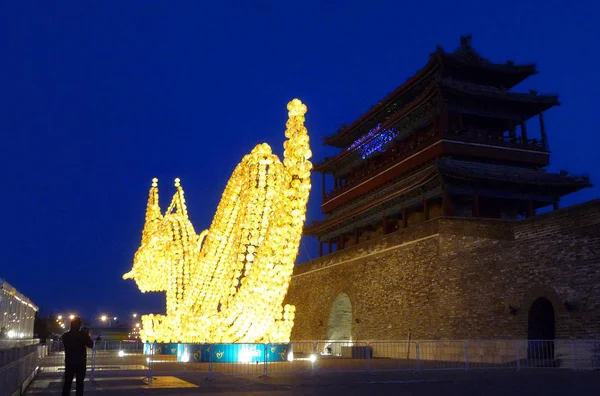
(75, 341)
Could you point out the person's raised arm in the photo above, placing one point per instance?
(87, 340)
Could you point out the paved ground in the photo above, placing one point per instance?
(490, 383)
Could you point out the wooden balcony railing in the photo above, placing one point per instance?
(395, 154)
(414, 144)
(484, 137)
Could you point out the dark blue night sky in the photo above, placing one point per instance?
(99, 97)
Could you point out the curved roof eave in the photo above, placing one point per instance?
(407, 109)
(333, 140)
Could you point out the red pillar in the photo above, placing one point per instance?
(323, 187)
(475, 208)
(511, 130)
(437, 124)
(320, 249)
(404, 218)
(385, 225)
(543, 130)
(524, 132)
(356, 236)
(426, 209)
(447, 204)
(330, 246)
(341, 243)
(530, 211)
(443, 121)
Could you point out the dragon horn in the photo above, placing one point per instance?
(178, 202)
(153, 208)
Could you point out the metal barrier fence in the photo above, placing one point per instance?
(18, 367)
(105, 356)
(333, 356)
(316, 357)
(15, 377)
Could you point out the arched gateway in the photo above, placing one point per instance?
(541, 329)
(339, 324)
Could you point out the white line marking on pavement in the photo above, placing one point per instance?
(398, 382)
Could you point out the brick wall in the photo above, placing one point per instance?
(452, 278)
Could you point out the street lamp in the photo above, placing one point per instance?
(59, 317)
(103, 318)
(71, 316)
(135, 315)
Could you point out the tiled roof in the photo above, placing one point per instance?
(467, 169)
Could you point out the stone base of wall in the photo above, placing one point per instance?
(473, 354)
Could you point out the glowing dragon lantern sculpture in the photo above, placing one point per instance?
(227, 284)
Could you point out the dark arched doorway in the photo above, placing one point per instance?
(541, 330)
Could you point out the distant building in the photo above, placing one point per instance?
(111, 333)
(17, 313)
(430, 227)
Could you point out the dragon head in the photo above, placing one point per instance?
(162, 249)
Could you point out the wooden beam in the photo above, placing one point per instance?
(330, 246)
(530, 211)
(385, 225)
(524, 132)
(446, 203)
(443, 121)
(475, 208)
(543, 130)
(404, 218)
(341, 242)
(356, 236)
(323, 187)
(320, 249)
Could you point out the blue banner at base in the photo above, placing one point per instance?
(226, 353)
(161, 349)
(232, 353)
